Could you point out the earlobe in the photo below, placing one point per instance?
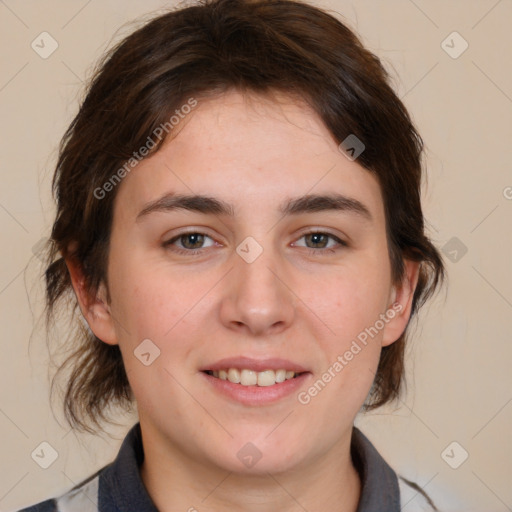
(399, 310)
(95, 309)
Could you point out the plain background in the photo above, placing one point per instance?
(459, 378)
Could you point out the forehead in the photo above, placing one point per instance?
(250, 151)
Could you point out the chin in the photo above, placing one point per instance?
(258, 457)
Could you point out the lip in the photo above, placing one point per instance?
(256, 365)
(256, 395)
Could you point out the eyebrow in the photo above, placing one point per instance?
(209, 205)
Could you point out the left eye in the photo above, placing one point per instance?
(320, 240)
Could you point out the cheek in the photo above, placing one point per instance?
(163, 309)
(151, 300)
(347, 301)
(170, 309)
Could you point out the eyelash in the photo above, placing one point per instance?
(311, 251)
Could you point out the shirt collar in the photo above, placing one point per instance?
(121, 487)
(379, 483)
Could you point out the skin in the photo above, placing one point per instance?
(298, 300)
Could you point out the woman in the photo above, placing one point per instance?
(239, 217)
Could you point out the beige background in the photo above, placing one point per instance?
(459, 367)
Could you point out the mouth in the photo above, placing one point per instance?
(248, 378)
(255, 387)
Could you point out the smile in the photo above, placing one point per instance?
(246, 377)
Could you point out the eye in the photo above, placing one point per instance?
(319, 241)
(193, 242)
(188, 243)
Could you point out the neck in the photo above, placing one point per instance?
(177, 481)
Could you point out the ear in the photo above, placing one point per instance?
(94, 309)
(399, 310)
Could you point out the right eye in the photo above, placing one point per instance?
(189, 243)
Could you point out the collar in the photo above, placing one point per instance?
(379, 483)
(121, 488)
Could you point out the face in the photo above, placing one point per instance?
(253, 273)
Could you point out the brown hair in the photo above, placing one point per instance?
(201, 51)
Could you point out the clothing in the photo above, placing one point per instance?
(118, 487)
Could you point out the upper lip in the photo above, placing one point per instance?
(257, 365)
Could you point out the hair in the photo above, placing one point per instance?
(201, 51)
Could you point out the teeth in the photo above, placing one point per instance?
(252, 378)
(281, 375)
(234, 375)
(248, 378)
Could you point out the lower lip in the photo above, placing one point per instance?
(257, 395)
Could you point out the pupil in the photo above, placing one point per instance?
(196, 238)
(316, 238)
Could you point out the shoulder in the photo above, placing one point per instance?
(44, 506)
(116, 486)
(381, 487)
(413, 498)
(82, 498)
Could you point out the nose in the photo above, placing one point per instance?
(258, 300)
